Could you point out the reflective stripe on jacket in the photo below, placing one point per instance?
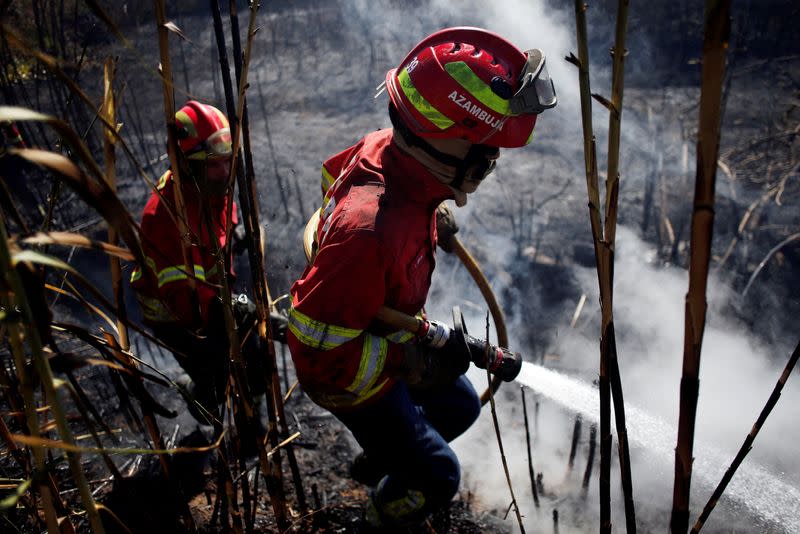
(376, 240)
(163, 286)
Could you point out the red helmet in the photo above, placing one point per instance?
(472, 84)
(203, 131)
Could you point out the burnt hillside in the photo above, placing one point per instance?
(312, 76)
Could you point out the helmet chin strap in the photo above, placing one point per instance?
(461, 174)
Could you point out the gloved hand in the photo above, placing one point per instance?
(245, 314)
(239, 239)
(459, 348)
(426, 366)
(244, 311)
(446, 227)
(279, 324)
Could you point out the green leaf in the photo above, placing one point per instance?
(11, 501)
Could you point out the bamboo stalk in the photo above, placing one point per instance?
(48, 493)
(271, 468)
(151, 424)
(531, 472)
(110, 112)
(593, 191)
(499, 438)
(763, 263)
(622, 432)
(272, 152)
(618, 54)
(48, 383)
(172, 142)
(576, 435)
(716, 34)
(612, 197)
(748, 441)
(587, 474)
(603, 239)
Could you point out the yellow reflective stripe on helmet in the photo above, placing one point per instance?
(317, 334)
(220, 115)
(530, 137)
(422, 105)
(186, 122)
(373, 359)
(327, 180)
(470, 81)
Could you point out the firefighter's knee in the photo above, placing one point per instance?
(448, 477)
(472, 409)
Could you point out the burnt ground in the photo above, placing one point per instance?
(144, 503)
(312, 77)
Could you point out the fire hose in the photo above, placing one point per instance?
(502, 363)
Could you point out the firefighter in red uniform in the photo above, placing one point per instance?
(187, 314)
(457, 97)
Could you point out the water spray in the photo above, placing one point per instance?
(762, 493)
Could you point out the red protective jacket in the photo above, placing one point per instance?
(376, 242)
(163, 288)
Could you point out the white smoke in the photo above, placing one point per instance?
(737, 377)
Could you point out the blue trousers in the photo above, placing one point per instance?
(407, 433)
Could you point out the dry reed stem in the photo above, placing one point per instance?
(763, 263)
(531, 472)
(612, 196)
(497, 433)
(271, 469)
(716, 35)
(29, 404)
(51, 64)
(264, 302)
(593, 191)
(615, 119)
(603, 239)
(748, 442)
(46, 377)
(172, 144)
(109, 111)
(44, 443)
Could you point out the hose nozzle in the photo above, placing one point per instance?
(498, 360)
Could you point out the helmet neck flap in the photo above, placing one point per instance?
(462, 175)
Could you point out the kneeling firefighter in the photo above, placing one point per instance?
(457, 97)
(187, 315)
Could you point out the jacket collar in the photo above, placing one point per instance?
(412, 179)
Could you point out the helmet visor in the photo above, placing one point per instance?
(537, 91)
(218, 144)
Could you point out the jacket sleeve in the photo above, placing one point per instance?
(333, 305)
(163, 248)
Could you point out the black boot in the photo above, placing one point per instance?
(365, 470)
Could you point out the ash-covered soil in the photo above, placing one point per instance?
(333, 501)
